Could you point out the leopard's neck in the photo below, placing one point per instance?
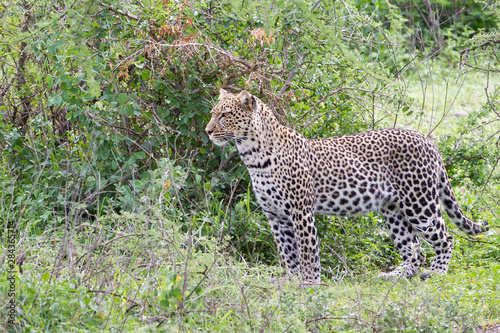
(259, 149)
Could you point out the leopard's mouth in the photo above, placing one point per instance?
(221, 140)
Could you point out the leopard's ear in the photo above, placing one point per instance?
(222, 93)
(254, 103)
(247, 99)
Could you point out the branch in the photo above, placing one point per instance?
(313, 7)
(121, 12)
(335, 318)
(469, 239)
(218, 50)
(479, 68)
(464, 53)
(488, 43)
(294, 72)
(488, 96)
(134, 303)
(224, 163)
(4, 90)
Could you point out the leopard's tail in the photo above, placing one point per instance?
(453, 210)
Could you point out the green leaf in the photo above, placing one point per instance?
(122, 98)
(53, 48)
(94, 88)
(129, 110)
(176, 292)
(145, 75)
(55, 100)
(140, 155)
(50, 81)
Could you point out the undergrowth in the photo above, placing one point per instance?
(141, 272)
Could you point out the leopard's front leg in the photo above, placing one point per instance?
(308, 245)
(283, 230)
(297, 241)
(302, 215)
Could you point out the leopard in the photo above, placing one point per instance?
(398, 173)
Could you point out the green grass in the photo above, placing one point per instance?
(443, 97)
(142, 273)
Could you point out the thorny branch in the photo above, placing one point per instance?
(471, 50)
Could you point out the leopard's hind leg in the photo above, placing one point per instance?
(406, 240)
(435, 234)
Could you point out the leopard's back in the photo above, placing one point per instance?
(357, 173)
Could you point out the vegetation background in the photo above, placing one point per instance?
(126, 217)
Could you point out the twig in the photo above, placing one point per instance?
(248, 309)
(335, 318)
(116, 295)
(488, 43)
(480, 68)
(225, 162)
(488, 96)
(294, 72)
(4, 90)
(367, 41)
(388, 292)
(464, 53)
(121, 12)
(470, 239)
(313, 7)
(317, 103)
(271, 315)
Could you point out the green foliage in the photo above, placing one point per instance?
(173, 296)
(112, 95)
(427, 29)
(116, 93)
(466, 155)
(140, 271)
(65, 304)
(352, 246)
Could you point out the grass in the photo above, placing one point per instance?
(133, 277)
(443, 96)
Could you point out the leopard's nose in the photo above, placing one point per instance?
(209, 131)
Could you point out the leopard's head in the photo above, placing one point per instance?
(232, 118)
